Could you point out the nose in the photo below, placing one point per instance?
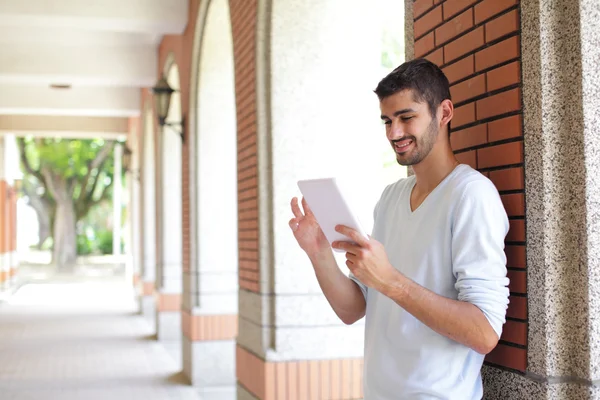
(394, 130)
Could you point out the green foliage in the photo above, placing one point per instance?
(81, 169)
(73, 160)
(84, 245)
(392, 54)
(104, 242)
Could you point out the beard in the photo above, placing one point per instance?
(422, 146)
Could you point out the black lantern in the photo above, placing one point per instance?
(162, 100)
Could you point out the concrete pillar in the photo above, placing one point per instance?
(9, 171)
(4, 254)
(317, 116)
(169, 271)
(117, 199)
(210, 298)
(148, 177)
(561, 94)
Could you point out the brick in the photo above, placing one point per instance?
(508, 356)
(515, 256)
(464, 44)
(508, 179)
(469, 158)
(420, 7)
(429, 21)
(488, 8)
(454, 27)
(437, 57)
(514, 204)
(506, 128)
(500, 155)
(424, 45)
(504, 76)
(502, 26)
(460, 69)
(517, 307)
(463, 115)
(502, 103)
(468, 89)
(515, 332)
(518, 281)
(470, 137)
(497, 54)
(453, 7)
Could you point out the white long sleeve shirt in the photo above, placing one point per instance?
(452, 244)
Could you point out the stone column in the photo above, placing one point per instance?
(317, 116)
(148, 178)
(117, 199)
(210, 294)
(169, 271)
(5, 284)
(561, 93)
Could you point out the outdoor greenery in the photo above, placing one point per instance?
(65, 180)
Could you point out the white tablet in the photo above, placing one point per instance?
(326, 200)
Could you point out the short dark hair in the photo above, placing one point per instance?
(426, 80)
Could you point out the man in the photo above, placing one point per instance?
(432, 278)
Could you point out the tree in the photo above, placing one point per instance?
(72, 176)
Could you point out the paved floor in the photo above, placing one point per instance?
(74, 340)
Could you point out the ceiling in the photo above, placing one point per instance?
(105, 49)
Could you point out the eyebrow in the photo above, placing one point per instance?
(399, 112)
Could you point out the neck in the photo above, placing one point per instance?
(438, 164)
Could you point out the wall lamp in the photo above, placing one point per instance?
(162, 99)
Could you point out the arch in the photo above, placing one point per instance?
(213, 276)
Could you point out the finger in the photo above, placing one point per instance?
(296, 208)
(294, 224)
(352, 234)
(348, 247)
(307, 209)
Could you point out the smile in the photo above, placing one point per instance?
(402, 146)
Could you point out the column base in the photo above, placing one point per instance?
(210, 366)
(148, 309)
(168, 325)
(504, 385)
(243, 394)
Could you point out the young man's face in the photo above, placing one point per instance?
(409, 127)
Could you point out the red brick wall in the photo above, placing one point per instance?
(243, 20)
(477, 45)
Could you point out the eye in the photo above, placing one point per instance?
(386, 122)
(406, 118)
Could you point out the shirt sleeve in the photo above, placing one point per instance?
(479, 228)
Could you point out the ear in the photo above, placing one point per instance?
(446, 110)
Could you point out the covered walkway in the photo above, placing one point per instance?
(95, 347)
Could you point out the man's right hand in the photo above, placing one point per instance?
(306, 230)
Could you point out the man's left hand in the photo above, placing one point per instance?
(366, 259)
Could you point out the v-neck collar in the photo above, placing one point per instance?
(435, 189)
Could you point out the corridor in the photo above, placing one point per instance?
(69, 339)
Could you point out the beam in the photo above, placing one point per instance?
(147, 16)
(79, 65)
(78, 101)
(53, 126)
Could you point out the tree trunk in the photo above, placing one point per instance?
(65, 236)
